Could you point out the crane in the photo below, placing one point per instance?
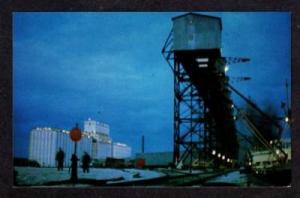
(231, 60)
(239, 78)
(235, 60)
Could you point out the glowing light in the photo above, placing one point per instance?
(277, 152)
(228, 160)
(271, 142)
(286, 119)
(249, 163)
(234, 117)
(226, 68)
(202, 60)
(219, 155)
(213, 152)
(232, 106)
(120, 144)
(202, 65)
(223, 157)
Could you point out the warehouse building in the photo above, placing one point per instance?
(156, 159)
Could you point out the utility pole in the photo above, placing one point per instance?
(143, 144)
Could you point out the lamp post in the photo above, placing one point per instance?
(75, 135)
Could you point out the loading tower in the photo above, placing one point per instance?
(203, 115)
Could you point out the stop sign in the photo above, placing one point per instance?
(75, 134)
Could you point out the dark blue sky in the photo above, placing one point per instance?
(108, 66)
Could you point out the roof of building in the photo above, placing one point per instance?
(198, 15)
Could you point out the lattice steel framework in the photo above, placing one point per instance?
(193, 127)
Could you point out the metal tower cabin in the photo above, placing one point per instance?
(204, 126)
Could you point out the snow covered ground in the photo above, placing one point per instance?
(38, 176)
(233, 177)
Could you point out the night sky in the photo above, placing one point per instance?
(68, 67)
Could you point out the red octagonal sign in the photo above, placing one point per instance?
(75, 134)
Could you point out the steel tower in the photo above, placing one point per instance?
(203, 121)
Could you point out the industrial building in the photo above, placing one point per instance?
(203, 116)
(46, 141)
(156, 159)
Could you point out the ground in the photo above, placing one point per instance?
(31, 176)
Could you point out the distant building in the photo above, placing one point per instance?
(94, 127)
(45, 142)
(156, 158)
(121, 151)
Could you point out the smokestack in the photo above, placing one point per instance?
(143, 143)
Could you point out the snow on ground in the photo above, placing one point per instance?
(190, 171)
(232, 177)
(38, 176)
(137, 174)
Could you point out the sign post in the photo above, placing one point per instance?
(75, 135)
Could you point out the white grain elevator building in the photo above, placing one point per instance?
(45, 142)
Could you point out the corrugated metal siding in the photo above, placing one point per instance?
(196, 32)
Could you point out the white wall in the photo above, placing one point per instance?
(104, 150)
(121, 151)
(96, 127)
(45, 142)
(43, 147)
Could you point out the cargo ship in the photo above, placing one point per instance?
(273, 167)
